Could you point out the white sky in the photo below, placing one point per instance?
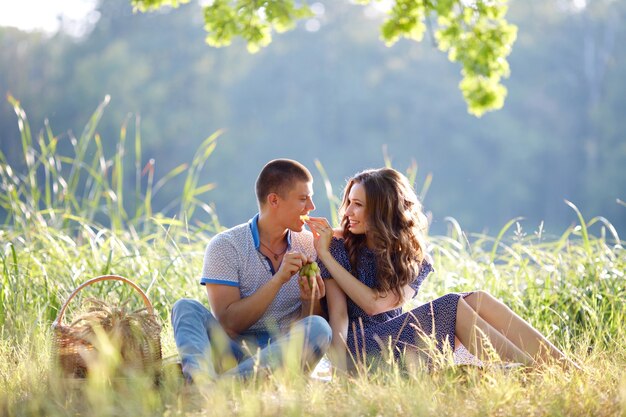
(78, 16)
(45, 14)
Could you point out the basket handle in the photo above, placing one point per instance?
(98, 279)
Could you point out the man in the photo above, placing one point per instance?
(259, 305)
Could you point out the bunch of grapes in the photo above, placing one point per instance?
(309, 271)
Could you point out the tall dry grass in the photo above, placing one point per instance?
(72, 217)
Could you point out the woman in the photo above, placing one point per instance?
(378, 260)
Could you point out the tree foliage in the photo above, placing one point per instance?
(339, 95)
(474, 33)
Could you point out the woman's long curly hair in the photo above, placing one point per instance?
(396, 226)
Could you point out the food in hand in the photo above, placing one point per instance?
(309, 271)
(304, 218)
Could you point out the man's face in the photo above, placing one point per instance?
(298, 201)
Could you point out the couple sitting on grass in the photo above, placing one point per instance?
(261, 306)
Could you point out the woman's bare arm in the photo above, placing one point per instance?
(365, 297)
(338, 319)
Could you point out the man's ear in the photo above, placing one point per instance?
(272, 199)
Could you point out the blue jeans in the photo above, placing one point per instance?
(206, 350)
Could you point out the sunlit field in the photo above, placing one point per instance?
(72, 216)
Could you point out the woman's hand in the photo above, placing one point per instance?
(311, 289)
(322, 234)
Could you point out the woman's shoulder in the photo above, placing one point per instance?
(426, 267)
(427, 259)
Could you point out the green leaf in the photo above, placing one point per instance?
(474, 34)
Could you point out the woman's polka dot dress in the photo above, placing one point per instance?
(427, 327)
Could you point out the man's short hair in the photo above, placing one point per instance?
(279, 176)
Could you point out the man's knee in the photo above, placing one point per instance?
(320, 332)
(186, 306)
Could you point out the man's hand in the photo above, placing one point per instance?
(291, 264)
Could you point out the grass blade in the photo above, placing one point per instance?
(583, 227)
(496, 243)
(332, 199)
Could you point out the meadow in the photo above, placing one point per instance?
(71, 216)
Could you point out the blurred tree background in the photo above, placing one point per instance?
(331, 90)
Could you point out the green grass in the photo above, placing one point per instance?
(71, 218)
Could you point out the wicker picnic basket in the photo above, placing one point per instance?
(75, 345)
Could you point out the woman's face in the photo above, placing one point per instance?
(355, 212)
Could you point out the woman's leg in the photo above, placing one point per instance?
(478, 335)
(514, 328)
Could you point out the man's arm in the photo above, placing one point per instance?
(237, 314)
